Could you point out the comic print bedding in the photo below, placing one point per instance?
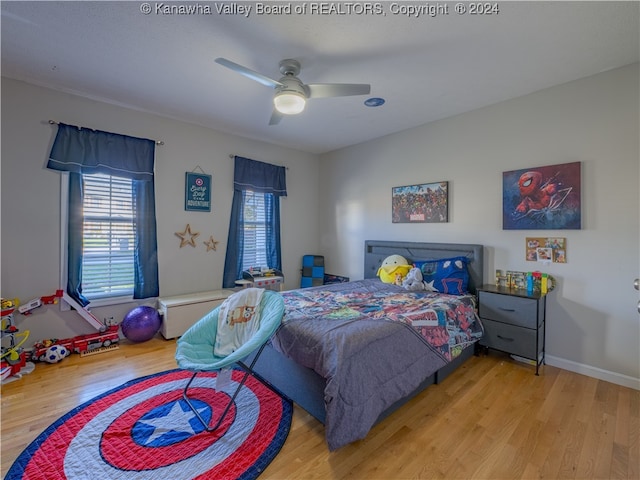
(374, 343)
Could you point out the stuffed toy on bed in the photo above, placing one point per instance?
(413, 281)
(393, 269)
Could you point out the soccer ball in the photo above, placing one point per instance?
(55, 353)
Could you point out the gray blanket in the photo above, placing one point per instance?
(368, 362)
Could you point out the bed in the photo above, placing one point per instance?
(383, 360)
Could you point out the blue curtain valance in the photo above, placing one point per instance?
(86, 151)
(259, 177)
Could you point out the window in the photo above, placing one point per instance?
(108, 237)
(255, 230)
(108, 215)
(254, 225)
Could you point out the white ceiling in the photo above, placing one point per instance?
(426, 68)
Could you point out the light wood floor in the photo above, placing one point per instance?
(492, 419)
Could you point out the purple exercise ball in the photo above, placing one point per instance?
(141, 324)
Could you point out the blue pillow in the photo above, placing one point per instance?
(445, 275)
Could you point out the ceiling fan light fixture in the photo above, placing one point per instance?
(289, 103)
(290, 96)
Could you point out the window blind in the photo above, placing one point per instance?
(108, 237)
(255, 231)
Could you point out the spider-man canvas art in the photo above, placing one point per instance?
(542, 198)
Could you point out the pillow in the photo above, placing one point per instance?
(445, 275)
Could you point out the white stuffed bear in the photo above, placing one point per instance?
(413, 281)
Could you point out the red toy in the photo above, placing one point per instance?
(79, 344)
(38, 302)
(12, 355)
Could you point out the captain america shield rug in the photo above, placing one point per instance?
(145, 430)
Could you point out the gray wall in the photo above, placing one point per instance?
(31, 200)
(593, 324)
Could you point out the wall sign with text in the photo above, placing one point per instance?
(197, 192)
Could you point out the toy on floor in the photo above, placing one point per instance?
(141, 324)
(13, 358)
(54, 350)
(82, 344)
(55, 353)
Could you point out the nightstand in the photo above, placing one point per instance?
(514, 321)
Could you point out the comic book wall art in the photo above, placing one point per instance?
(542, 198)
(424, 203)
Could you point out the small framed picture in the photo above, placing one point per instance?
(546, 249)
(422, 203)
(197, 192)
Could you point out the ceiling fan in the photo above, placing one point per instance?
(291, 94)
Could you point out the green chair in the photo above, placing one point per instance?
(195, 349)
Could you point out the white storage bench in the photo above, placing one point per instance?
(182, 311)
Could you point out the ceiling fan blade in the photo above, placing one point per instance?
(247, 72)
(276, 116)
(319, 90)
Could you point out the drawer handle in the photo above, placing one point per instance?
(505, 338)
(507, 309)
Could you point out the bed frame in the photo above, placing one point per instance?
(305, 387)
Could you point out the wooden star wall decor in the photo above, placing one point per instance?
(191, 240)
(211, 244)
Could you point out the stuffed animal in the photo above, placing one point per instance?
(413, 280)
(392, 265)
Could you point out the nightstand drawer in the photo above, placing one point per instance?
(507, 338)
(514, 310)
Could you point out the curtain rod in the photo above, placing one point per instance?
(232, 156)
(53, 122)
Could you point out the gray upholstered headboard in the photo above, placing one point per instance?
(375, 251)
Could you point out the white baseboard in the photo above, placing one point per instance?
(612, 377)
